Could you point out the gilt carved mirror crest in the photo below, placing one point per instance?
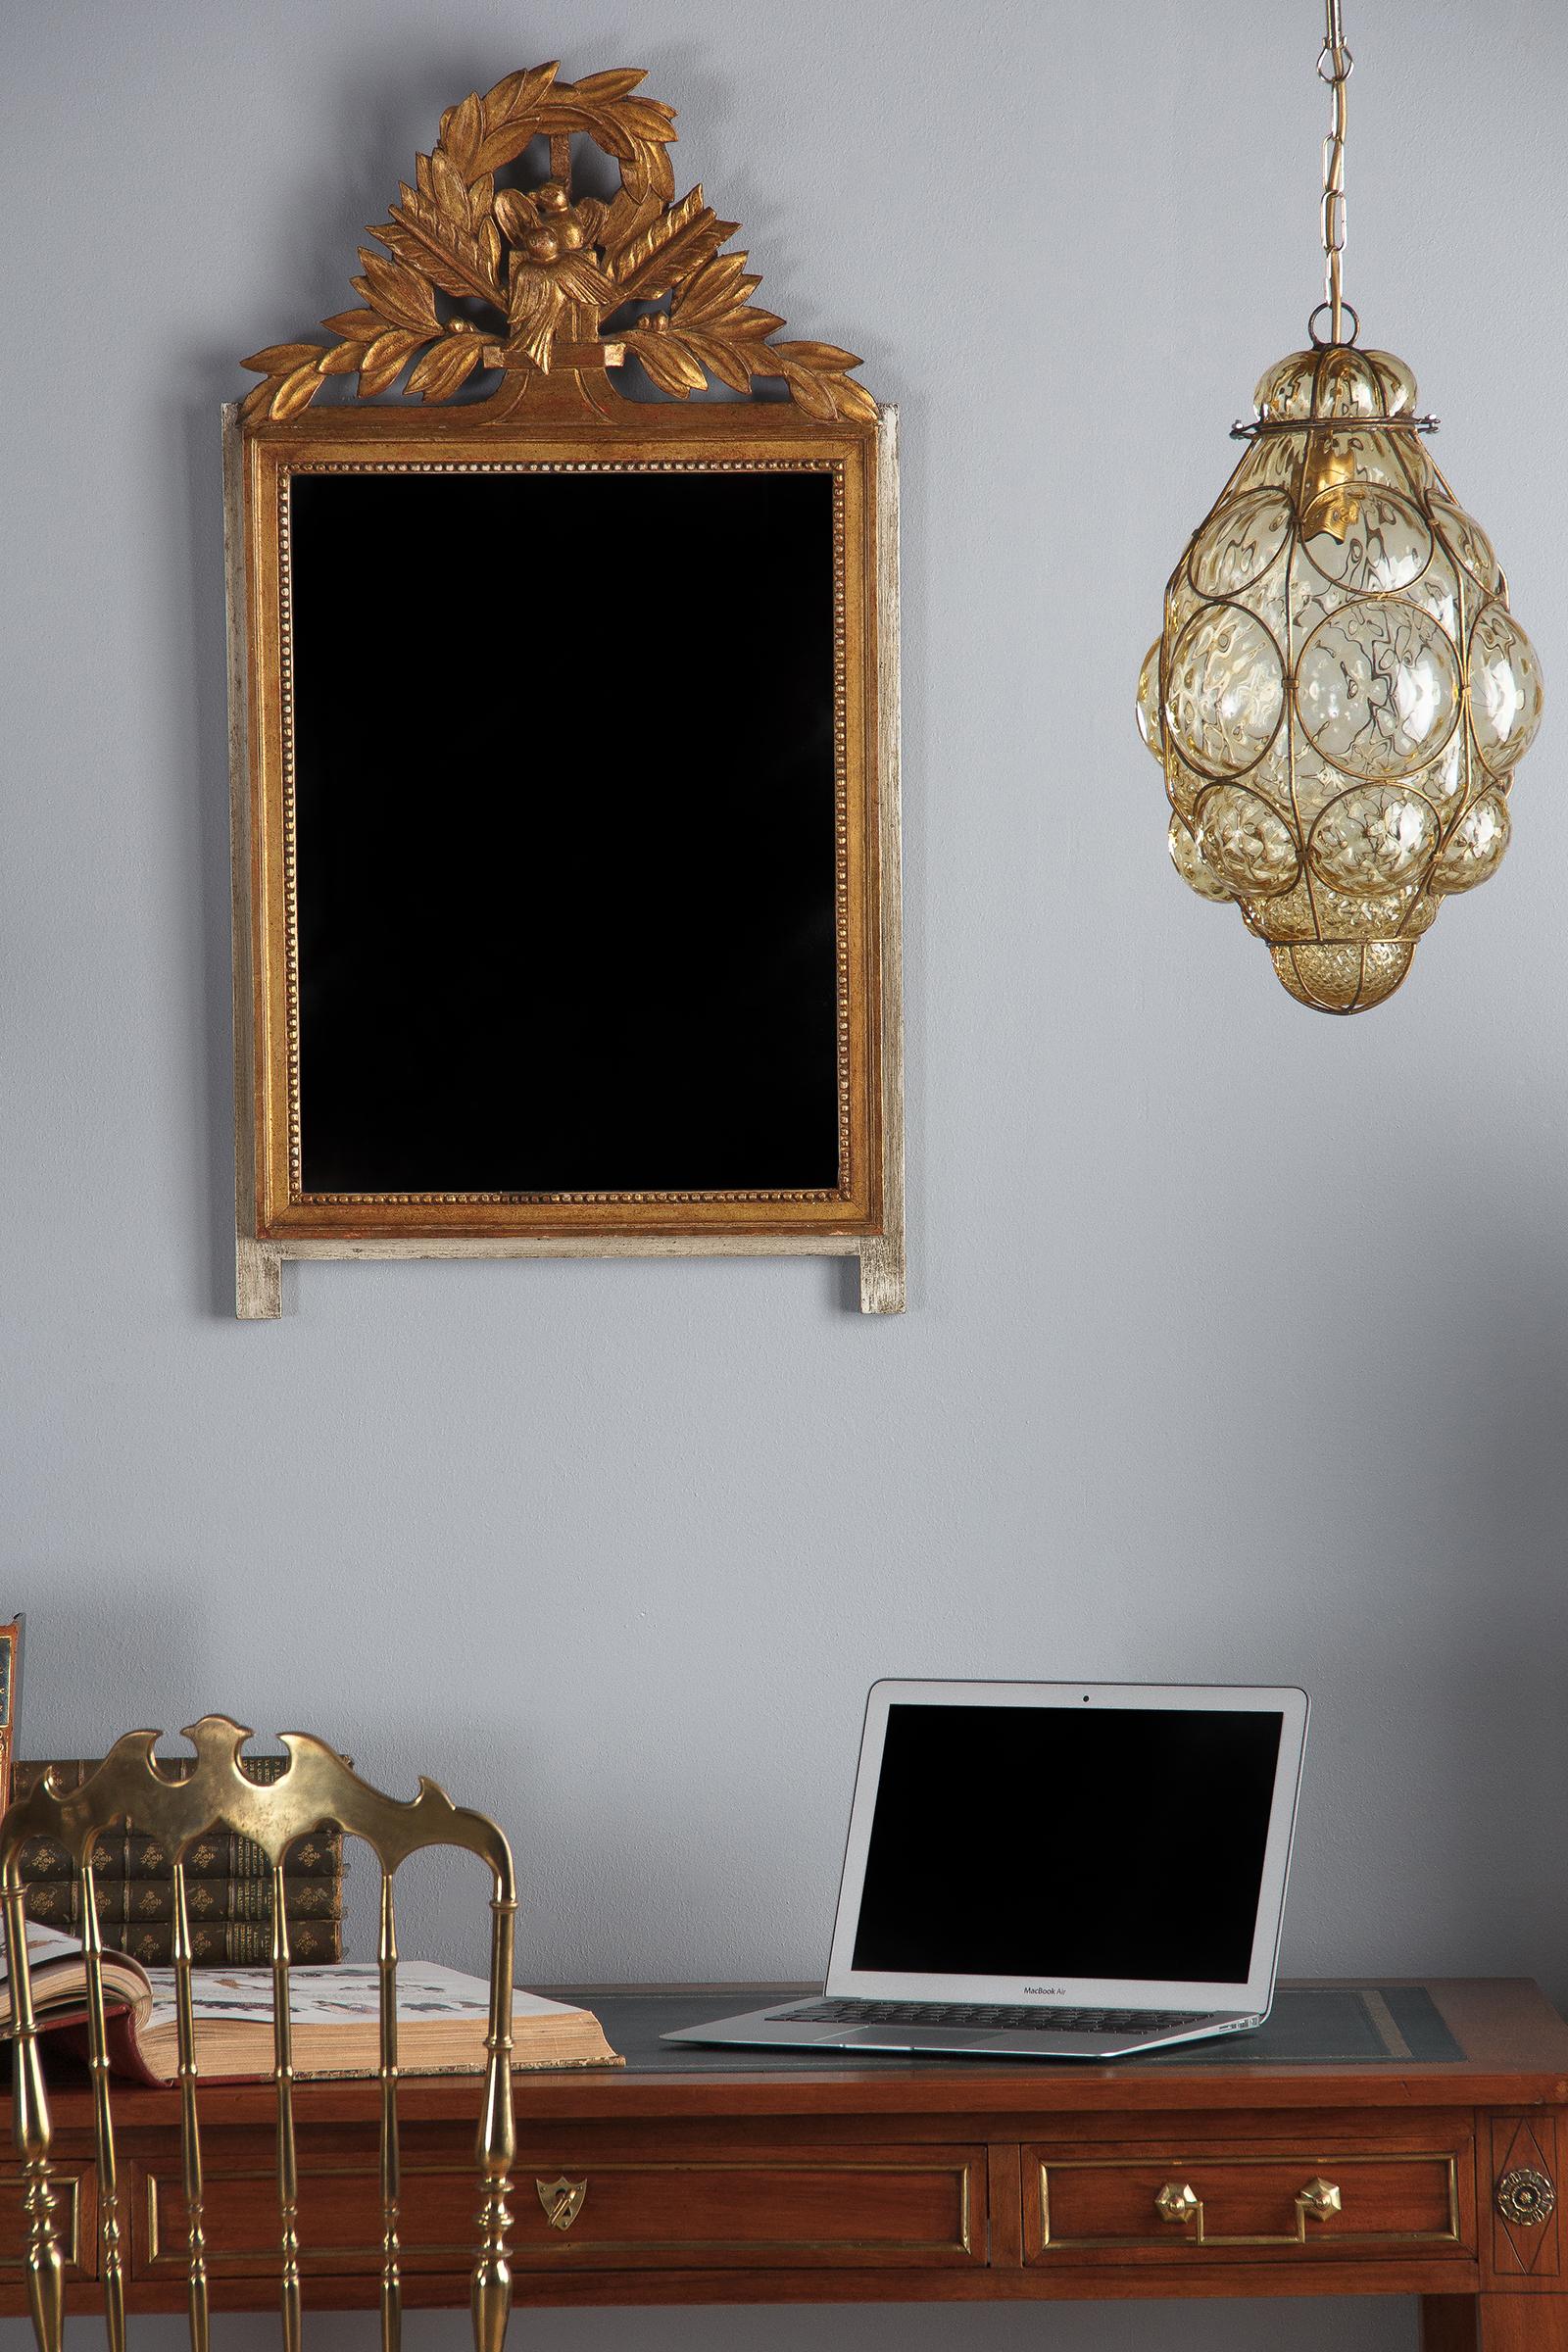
(565, 714)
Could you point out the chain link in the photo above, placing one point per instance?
(1333, 66)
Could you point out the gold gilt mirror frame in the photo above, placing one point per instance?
(564, 732)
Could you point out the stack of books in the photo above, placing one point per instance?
(228, 1885)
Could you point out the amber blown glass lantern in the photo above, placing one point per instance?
(1340, 695)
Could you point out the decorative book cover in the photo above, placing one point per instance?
(143, 1902)
(10, 1691)
(228, 1883)
(129, 1853)
(132, 1854)
(235, 1942)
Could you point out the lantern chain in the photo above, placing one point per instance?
(1333, 66)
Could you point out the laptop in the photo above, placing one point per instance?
(1053, 1870)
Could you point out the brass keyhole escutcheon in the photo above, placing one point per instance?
(563, 2200)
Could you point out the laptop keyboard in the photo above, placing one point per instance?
(983, 2018)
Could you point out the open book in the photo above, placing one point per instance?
(334, 2017)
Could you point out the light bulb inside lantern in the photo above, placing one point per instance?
(1329, 491)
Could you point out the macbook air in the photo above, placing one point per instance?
(1054, 1870)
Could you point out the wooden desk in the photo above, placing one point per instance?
(731, 2176)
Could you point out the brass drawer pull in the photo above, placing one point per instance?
(1318, 2199)
(563, 2200)
(1179, 2203)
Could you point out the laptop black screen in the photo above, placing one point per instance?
(1046, 1843)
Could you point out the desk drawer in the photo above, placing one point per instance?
(593, 2207)
(76, 2221)
(801, 2206)
(1204, 2204)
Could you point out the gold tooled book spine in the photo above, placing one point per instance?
(10, 1684)
(229, 1883)
(123, 1854)
(237, 1944)
(57, 1902)
(221, 1856)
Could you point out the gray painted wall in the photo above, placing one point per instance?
(1239, 1342)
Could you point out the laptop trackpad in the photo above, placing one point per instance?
(918, 2037)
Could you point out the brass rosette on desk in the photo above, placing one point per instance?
(1526, 2197)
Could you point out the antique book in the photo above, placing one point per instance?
(129, 1854)
(141, 1902)
(334, 2017)
(10, 1691)
(132, 1854)
(233, 1942)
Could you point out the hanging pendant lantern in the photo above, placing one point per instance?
(1340, 695)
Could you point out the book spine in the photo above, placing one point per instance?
(235, 1943)
(10, 1685)
(228, 1881)
(28, 1771)
(123, 1855)
(210, 1899)
(57, 1902)
(129, 1853)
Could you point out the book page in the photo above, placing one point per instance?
(43, 1944)
(346, 1993)
(58, 1976)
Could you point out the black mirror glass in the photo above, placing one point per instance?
(566, 815)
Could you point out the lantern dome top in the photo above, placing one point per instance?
(1335, 381)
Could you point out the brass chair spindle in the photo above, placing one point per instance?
(492, 2273)
(391, 2160)
(288, 2188)
(317, 1787)
(32, 2133)
(190, 2146)
(109, 2248)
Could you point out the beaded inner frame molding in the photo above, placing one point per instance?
(494, 334)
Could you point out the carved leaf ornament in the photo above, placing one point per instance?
(548, 272)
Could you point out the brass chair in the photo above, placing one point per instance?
(317, 1790)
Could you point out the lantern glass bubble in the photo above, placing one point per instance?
(1340, 696)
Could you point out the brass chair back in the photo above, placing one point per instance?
(317, 1790)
